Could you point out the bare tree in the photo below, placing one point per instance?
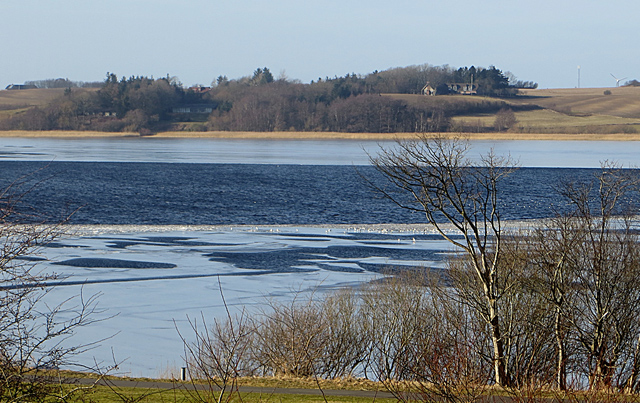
(552, 275)
(505, 119)
(435, 177)
(604, 314)
(289, 337)
(396, 318)
(346, 342)
(219, 355)
(425, 343)
(33, 334)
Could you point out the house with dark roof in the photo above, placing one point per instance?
(452, 88)
(195, 108)
(20, 87)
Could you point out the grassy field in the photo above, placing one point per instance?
(105, 395)
(623, 102)
(17, 99)
(554, 111)
(551, 121)
(332, 135)
(253, 389)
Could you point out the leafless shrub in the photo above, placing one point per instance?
(219, 355)
(33, 333)
(290, 338)
(346, 343)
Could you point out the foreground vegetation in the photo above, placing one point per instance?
(543, 312)
(548, 311)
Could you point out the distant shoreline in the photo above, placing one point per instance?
(321, 135)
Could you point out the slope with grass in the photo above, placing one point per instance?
(17, 101)
(622, 102)
(603, 111)
(606, 112)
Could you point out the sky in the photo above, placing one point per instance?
(197, 40)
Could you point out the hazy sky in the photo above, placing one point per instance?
(197, 40)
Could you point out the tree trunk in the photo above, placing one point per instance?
(561, 369)
(498, 347)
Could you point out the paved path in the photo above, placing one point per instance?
(369, 394)
(122, 383)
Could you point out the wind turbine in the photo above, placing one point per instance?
(617, 79)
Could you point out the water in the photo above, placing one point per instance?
(153, 278)
(127, 193)
(567, 154)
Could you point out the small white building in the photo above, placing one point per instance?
(195, 108)
(428, 90)
(463, 88)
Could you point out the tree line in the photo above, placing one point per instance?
(63, 83)
(260, 102)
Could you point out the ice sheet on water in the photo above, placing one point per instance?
(114, 263)
(246, 264)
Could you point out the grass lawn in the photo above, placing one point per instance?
(104, 395)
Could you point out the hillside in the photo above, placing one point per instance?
(571, 110)
(15, 101)
(622, 102)
(567, 111)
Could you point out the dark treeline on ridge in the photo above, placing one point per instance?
(259, 102)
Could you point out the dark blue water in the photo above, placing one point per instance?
(209, 194)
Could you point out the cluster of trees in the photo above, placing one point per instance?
(261, 102)
(351, 103)
(557, 299)
(126, 104)
(63, 83)
(550, 307)
(326, 106)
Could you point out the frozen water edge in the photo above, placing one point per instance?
(150, 303)
(85, 230)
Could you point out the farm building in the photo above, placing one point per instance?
(453, 88)
(428, 90)
(20, 87)
(195, 108)
(463, 88)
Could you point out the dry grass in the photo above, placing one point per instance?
(623, 102)
(577, 110)
(64, 134)
(17, 99)
(329, 135)
(394, 136)
(287, 135)
(311, 383)
(546, 118)
(421, 100)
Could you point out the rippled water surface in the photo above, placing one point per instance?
(260, 194)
